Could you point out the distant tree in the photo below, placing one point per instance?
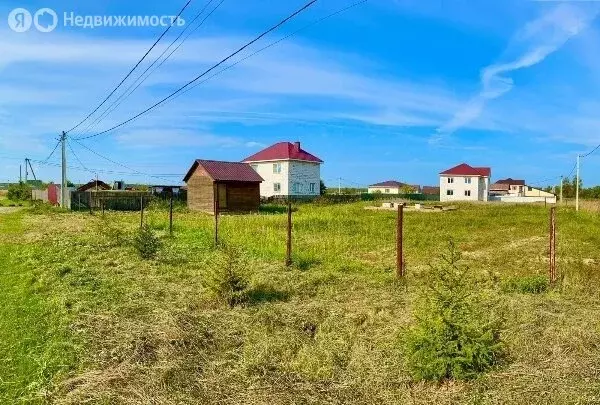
(70, 183)
(19, 192)
(323, 187)
(407, 189)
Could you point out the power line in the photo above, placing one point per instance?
(127, 93)
(53, 150)
(74, 154)
(115, 162)
(132, 70)
(273, 28)
(275, 43)
(592, 151)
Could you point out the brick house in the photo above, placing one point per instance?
(287, 170)
(230, 186)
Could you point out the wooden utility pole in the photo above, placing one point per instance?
(399, 247)
(171, 215)
(552, 245)
(288, 250)
(141, 211)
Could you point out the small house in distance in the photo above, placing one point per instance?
(393, 187)
(94, 185)
(230, 186)
(465, 183)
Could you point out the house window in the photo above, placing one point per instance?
(276, 168)
(467, 193)
(311, 187)
(387, 191)
(467, 180)
(277, 187)
(529, 188)
(449, 192)
(297, 188)
(450, 180)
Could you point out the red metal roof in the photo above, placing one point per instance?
(283, 151)
(464, 169)
(395, 184)
(226, 171)
(430, 190)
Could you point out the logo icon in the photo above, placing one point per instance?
(45, 20)
(19, 20)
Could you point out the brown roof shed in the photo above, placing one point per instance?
(224, 186)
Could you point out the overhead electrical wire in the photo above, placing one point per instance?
(592, 151)
(137, 83)
(53, 150)
(159, 103)
(275, 43)
(133, 69)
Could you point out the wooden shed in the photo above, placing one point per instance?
(230, 186)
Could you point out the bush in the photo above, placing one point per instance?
(457, 334)
(146, 242)
(526, 285)
(228, 279)
(19, 192)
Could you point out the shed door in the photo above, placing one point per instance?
(222, 190)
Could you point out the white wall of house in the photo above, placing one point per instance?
(288, 178)
(384, 190)
(464, 188)
(536, 192)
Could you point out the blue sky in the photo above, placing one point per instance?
(387, 90)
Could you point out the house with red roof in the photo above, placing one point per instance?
(393, 187)
(216, 186)
(465, 183)
(287, 170)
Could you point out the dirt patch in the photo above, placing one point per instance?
(8, 210)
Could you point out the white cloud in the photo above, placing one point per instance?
(534, 43)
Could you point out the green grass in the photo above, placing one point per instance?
(86, 320)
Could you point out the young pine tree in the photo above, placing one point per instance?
(457, 330)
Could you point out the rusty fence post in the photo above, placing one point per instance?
(399, 247)
(288, 251)
(216, 203)
(171, 215)
(141, 211)
(553, 245)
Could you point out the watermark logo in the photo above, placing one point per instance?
(19, 20)
(46, 20)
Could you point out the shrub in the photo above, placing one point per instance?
(19, 192)
(457, 334)
(536, 284)
(228, 279)
(146, 242)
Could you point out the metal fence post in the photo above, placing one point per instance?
(216, 203)
(288, 253)
(141, 211)
(552, 245)
(399, 247)
(171, 215)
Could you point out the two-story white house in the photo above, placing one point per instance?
(287, 170)
(465, 183)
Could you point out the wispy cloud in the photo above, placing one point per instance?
(534, 43)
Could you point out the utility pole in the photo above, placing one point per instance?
(20, 173)
(577, 187)
(340, 185)
(561, 189)
(26, 171)
(63, 187)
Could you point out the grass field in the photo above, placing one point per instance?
(85, 320)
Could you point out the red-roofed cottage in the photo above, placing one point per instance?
(230, 186)
(465, 183)
(287, 170)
